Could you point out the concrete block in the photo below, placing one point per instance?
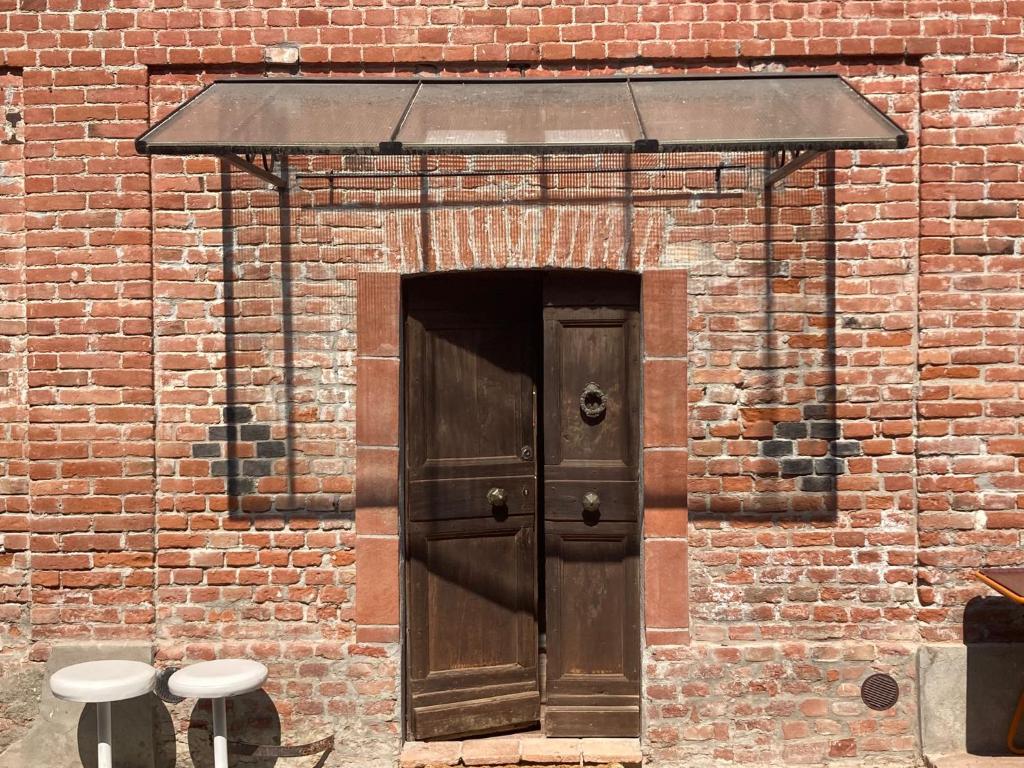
(942, 692)
(20, 684)
(64, 733)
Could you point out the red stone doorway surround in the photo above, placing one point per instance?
(664, 588)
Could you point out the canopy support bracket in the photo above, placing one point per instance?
(264, 171)
(795, 162)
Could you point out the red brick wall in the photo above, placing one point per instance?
(14, 486)
(971, 282)
(14, 468)
(113, 316)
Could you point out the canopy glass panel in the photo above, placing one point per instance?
(762, 113)
(516, 113)
(268, 115)
(467, 116)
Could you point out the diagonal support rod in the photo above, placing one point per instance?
(260, 173)
(795, 163)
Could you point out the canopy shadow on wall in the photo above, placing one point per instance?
(774, 124)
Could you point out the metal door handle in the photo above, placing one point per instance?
(591, 502)
(497, 497)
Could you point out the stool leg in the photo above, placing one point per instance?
(104, 759)
(220, 735)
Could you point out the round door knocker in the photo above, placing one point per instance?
(593, 402)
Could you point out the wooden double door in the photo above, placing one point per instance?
(522, 535)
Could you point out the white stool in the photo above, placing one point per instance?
(216, 680)
(99, 683)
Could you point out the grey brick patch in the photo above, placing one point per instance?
(255, 432)
(237, 414)
(271, 449)
(777, 448)
(794, 467)
(206, 450)
(844, 448)
(222, 432)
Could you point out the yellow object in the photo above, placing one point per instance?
(1018, 713)
(1014, 724)
(1001, 589)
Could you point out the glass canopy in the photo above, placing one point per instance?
(469, 116)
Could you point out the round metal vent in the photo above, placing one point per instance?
(880, 692)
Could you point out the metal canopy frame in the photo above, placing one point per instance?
(398, 121)
(784, 163)
(778, 166)
(264, 171)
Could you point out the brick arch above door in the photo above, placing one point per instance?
(665, 424)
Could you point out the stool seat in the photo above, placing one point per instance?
(217, 679)
(97, 681)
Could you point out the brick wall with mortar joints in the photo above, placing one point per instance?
(89, 347)
(852, 574)
(789, 702)
(17, 684)
(315, 226)
(796, 584)
(970, 449)
(472, 215)
(14, 497)
(119, 40)
(760, 400)
(278, 586)
(876, 304)
(466, 220)
(489, 36)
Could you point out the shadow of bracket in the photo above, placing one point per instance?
(325, 745)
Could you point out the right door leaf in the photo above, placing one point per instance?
(591, 505)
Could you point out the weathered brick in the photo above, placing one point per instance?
(110, 283)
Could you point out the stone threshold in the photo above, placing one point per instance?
(521, 750)
(964, 760)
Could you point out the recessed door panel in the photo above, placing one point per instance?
(590, 573)
(458, 587)
(565, 499)
(466, 497)
(591, 353)
(476, 404)
(592, 374)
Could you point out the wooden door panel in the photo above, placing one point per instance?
(590, 347)
(467, 497)
(605, 721)
(510, 711)
(471, 604)
(591, 507)
(593, 578)
(471, 561)
(471, 372)
(467, 376)
(472, 387)
(593, 621)
(564, 500)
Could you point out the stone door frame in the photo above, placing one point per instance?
(664, 588)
